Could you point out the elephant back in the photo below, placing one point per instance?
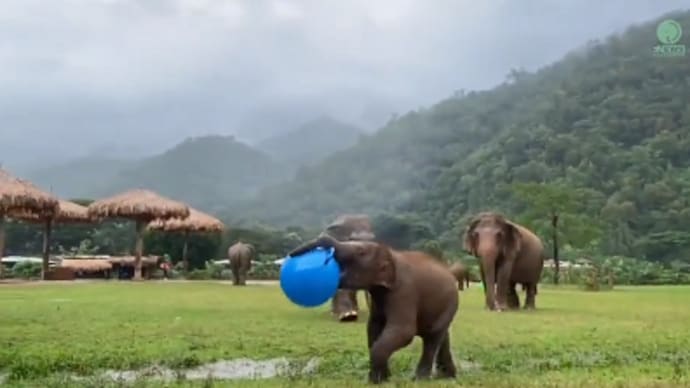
(240, 249)
(351, 227)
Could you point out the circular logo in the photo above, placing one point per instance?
(669, 32)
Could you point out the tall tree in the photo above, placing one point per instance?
(550, 203)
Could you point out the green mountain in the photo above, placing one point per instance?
(311, 142)
(207, 172)
(607, 128)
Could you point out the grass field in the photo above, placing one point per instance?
(632, 336)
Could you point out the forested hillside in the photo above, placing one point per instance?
(602, 138)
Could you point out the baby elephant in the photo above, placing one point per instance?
(412, 294)
(462, 273)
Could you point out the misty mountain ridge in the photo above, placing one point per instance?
(311, 142)
(83, 177)
(208, 172)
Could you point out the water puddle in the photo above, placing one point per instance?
(222, 370)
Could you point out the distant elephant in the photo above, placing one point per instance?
(462, 274)
(240, 255)
(509, 254)
(412, 294)
(348, 227)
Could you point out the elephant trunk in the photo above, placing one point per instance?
(326, 241)
(489, 255)
(490, 280)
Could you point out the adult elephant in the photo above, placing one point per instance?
(509, 254)
(240, 255)
(348, 227)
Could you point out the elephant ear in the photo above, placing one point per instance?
(385, 272)
(470, 243)
(513, 240)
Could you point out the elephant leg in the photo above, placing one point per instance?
(353, 301)
(391, 339)
(352, 312)
(431, 344)
(243, 278)
(513, 298)
(530, 298)
(375, 326)
(235, 277)
(445, 367)
(343, 307)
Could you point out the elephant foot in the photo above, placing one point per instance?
(349, 316)
(529, 307)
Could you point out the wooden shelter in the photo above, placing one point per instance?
(142, 206)
(18, 196)
(68, 212)
(197, 221)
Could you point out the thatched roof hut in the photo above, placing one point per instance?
(87, 265)
(197, 221)
(143, 206)
(125, 261)
(21, 195)
(138, 204)
(67, 212)
(18, 195)
(129, 261)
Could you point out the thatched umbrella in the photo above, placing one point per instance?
(196, 222)
(68, 212)
(143, 206)
(18, 195)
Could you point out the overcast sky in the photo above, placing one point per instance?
(76, 75)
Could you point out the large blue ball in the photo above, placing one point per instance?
(310, 279)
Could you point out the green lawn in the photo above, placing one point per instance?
(632, 336)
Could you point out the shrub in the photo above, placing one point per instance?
(27, 270)
(198, 274)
